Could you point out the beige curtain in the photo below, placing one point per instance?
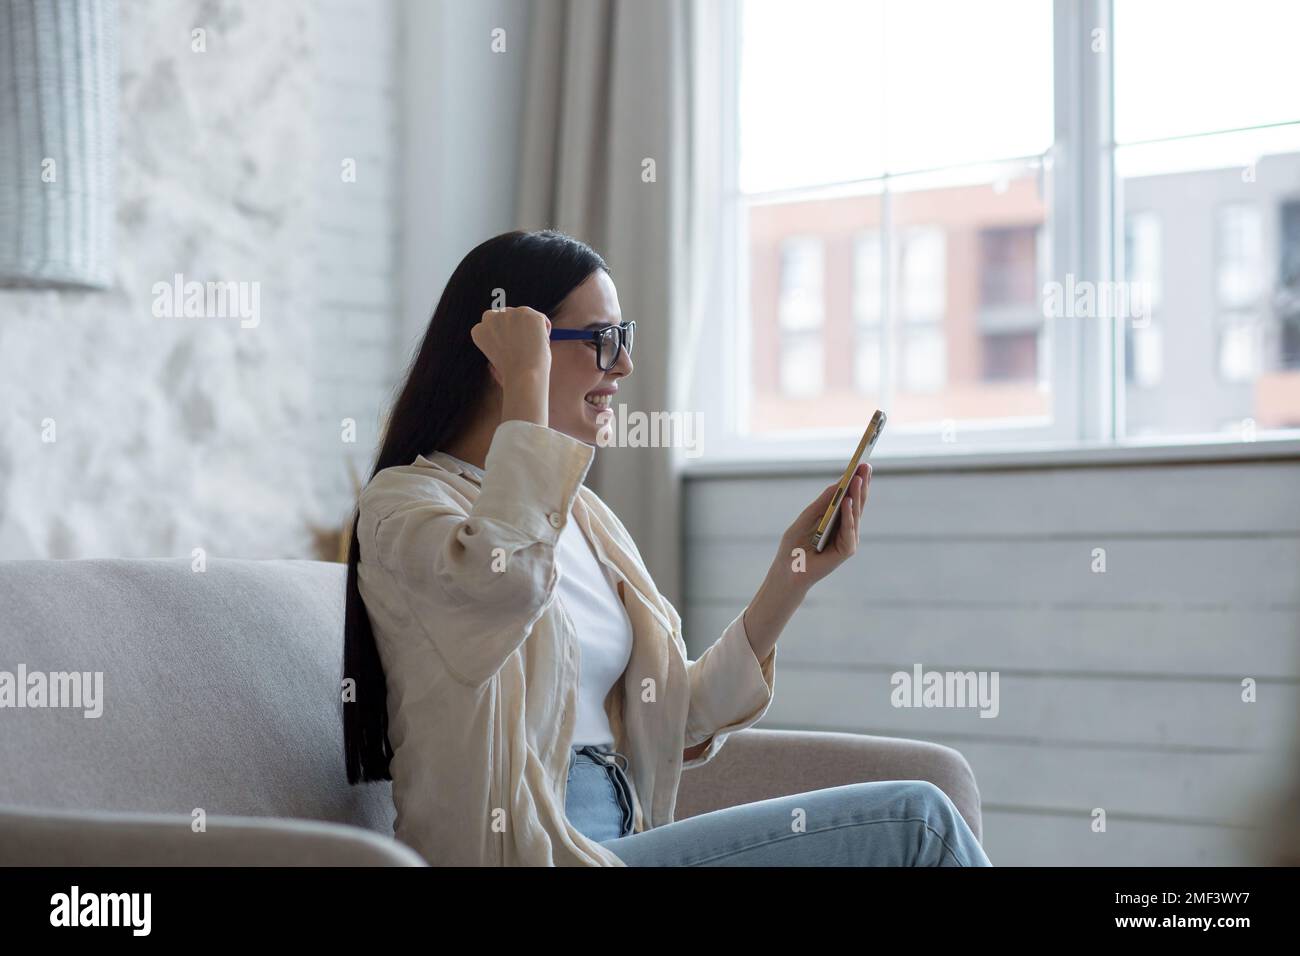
(612, 84)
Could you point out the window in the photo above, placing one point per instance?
(922, 276)
(1238, 267)
(1008, 273)
(1212, 156)
(1240, 256)
(916, 317)
(802, 367)
(1239, 348)
(1010, 317)
(1013, 230)
(868, 283)
(800, 316)
(1142, 253)
(1289, 344)
(1010, 356)
(1288, 293)
(1144, 356)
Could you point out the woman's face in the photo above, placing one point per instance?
(575, 379)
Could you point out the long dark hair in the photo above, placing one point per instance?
(447, 379)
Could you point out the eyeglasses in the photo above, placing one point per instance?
(608, 341)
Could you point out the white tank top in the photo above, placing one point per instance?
(589, 594)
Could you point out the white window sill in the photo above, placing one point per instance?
(1041, 456)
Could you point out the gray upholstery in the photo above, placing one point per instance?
(99, 838)
(221, 693)
(221, 689)
(758, 764)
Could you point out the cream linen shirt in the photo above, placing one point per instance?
(481, 659)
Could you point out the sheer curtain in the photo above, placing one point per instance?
(621, 149)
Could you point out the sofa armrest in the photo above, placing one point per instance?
(761, 764)
(31, 836)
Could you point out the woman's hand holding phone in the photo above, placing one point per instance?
(797, 554)
(804, 556)
(826, 534)
(799, 565)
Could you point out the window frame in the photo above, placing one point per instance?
(1087, 356)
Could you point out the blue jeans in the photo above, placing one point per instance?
(884, 823)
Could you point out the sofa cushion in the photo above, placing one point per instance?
(221, 689)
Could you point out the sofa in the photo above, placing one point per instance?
(220, 742)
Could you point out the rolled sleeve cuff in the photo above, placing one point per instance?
(531, 476)
(730, 690)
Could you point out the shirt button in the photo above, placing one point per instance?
(556, 519)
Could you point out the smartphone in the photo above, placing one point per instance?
(825, 532)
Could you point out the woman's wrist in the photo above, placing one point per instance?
(525, 397)
(778, 597)
(789, 574)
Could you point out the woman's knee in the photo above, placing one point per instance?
(921, 799)
(921, 794)
(924, 799)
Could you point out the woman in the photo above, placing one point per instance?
(516, 673)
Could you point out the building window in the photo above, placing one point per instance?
(1238, 257)
(868, 352)
(1239, 351)
(1008, 266)
(1287, 302)
(1142, 253)
(922, 301)
(803, 364)
(801, 315)
(1239, 254)
(1010, 356)
(1010, 320)
(1144, 343)
(1144, 365)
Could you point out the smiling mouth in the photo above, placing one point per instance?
(599, 401)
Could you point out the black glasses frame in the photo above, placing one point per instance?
(623, 333)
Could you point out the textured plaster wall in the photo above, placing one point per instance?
(176, 433)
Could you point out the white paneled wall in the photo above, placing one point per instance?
(1118, 690)
(355, 249)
